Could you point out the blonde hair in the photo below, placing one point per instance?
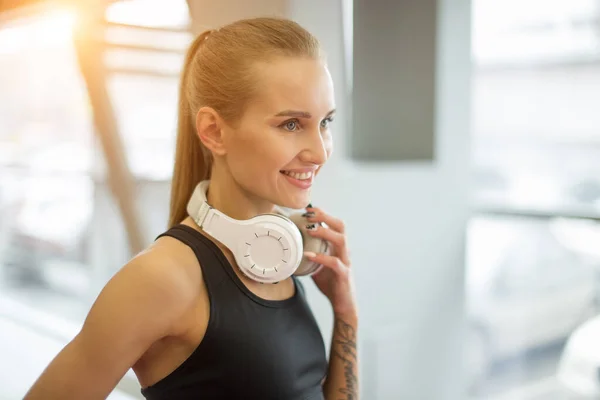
(219, 72)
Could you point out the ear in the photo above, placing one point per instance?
(209, 127)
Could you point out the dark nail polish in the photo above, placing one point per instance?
(308, 214)
(309, 205)
(311, 227)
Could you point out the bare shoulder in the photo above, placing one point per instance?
(168, 256)
(167, 268)
(155, 289)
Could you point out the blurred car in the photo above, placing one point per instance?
(526, 290)
(578, 372)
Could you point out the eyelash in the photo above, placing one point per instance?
(328, 120)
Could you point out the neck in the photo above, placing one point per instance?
(228, 197)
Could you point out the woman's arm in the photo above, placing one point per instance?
(137, 307)
(342, 376)
(335, 281)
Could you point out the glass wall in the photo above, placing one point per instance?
(61, 235)
(46, 154)
(61, 230)
(533, 257)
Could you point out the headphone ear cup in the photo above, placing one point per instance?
(310, 243)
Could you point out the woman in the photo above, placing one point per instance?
(256, 103)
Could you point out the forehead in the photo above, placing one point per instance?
(295, 83)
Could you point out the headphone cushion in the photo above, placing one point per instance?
(310, 243)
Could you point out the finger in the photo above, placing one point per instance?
(330, 262)
(314, 214)
(338, 240)
(326, 233)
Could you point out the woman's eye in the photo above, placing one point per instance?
(325, 123)
(291, 125)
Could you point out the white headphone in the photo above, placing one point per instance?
(267, 248)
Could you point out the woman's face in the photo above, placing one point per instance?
(284, 136)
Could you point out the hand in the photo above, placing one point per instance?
(334, 279)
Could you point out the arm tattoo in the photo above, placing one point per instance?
(345, 350)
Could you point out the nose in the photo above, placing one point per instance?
(316, 149)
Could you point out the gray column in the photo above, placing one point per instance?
(394, 70)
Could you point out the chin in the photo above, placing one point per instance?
(296, 203)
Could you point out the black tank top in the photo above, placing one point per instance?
(253, 348)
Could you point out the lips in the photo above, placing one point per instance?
(302, 180)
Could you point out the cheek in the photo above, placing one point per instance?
(245, 143)
(258, 152)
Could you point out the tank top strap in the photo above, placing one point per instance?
(212, 270)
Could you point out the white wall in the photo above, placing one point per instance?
(406, 224)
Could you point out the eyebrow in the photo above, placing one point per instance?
(299, 114)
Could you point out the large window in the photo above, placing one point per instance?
(46, 154)
(61, 230)
(61, 234)
(533, 244)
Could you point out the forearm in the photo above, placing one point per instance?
(342, 376)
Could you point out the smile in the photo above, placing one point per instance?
(302, 180)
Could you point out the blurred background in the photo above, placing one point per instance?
(483, 250)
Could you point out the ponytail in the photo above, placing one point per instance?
(192, 160)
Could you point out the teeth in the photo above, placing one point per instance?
(299, 175)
